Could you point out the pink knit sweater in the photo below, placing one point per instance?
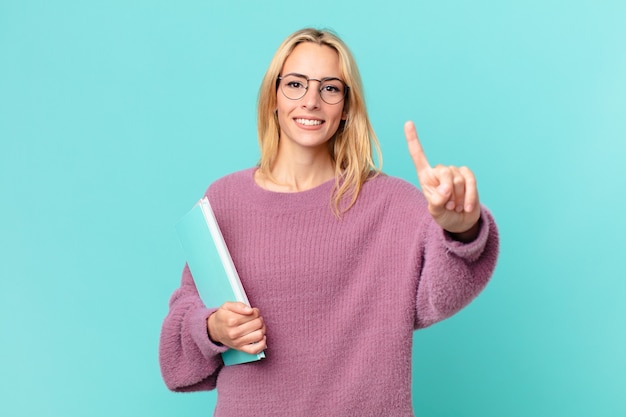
(340, 298)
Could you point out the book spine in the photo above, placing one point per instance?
(220, 244)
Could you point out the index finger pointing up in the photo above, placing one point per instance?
(415, 147)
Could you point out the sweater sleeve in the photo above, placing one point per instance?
(189, 360)
(454, 273)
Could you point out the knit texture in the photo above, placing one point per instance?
(340, 298)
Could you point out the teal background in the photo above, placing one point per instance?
(115, 116)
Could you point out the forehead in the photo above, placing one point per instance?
(313, 60)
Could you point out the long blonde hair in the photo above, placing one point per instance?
(353, 145)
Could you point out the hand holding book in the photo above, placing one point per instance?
(218, 283)
(238, 326)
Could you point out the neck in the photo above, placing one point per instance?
(293, 172)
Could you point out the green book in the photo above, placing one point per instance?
(211, 266)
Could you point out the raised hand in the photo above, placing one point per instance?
(238, 326)
(450, 191)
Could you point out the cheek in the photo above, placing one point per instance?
(338, 116)
(282, 117)
(283, 106)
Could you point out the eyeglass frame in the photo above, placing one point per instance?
(306, 89)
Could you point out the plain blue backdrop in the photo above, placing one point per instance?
(115, 116)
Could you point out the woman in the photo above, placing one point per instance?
(341, 263)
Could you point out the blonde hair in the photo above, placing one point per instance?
(353, 145)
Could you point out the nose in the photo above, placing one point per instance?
(312, 97)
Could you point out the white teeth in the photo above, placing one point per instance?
(308, 122)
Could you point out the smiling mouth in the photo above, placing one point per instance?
(309, 122)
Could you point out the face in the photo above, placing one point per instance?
(309, 122)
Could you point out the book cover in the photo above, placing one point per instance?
(211, 266)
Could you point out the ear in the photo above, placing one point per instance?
(344, 115)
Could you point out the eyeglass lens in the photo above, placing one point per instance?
(294, 87)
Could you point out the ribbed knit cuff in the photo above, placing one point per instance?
(199, 333)
(471, 251)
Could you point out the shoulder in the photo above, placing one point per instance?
(392, 189)
(232, 183)
(392, 198)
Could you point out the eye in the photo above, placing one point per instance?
(330, 88)
(294, 84)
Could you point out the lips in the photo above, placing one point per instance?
(308, 122)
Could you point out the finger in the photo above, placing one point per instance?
(254, 336)
(415, 147)
(238, 307)
(246, 333)
(227, 319)
(254, 348)
(252, 333)
(457, 201)
(444, 192)
(236, 320)
(251, 327)
(242, 335)
(471, 190)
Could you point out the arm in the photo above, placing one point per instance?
(453, 273)
(193, 337)
(189, 360)
(460, 242)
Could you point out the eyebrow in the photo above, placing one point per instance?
(309, 78)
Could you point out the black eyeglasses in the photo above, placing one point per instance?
(294, 87)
